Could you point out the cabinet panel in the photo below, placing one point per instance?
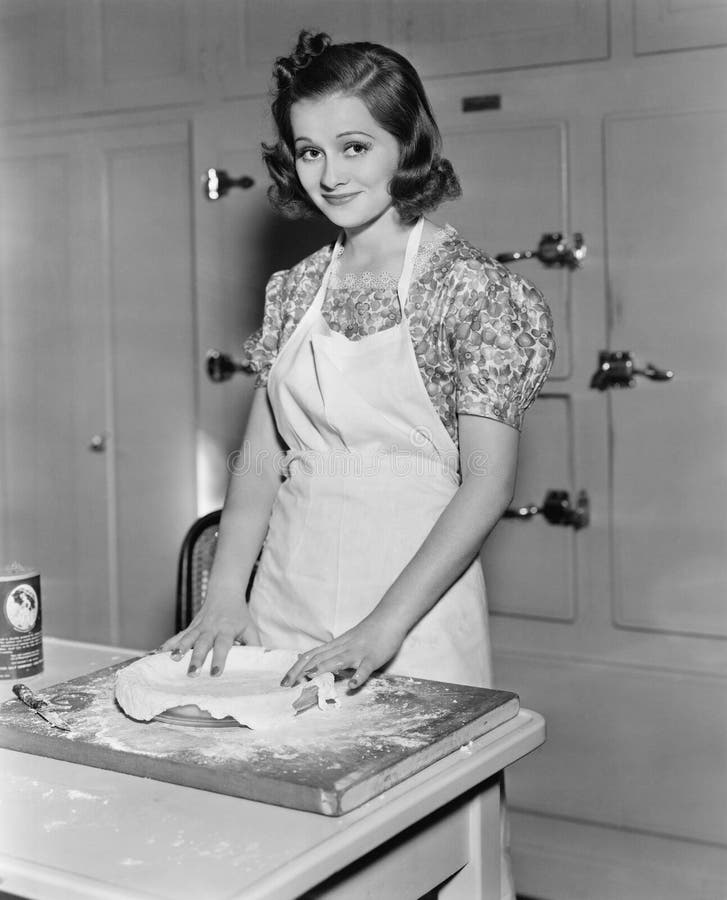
(97, 339)
(53, 491)
(65, 57)
(141, 53)
(143, 41)
(463, 36)
(545, 462)
(514, 188)
(38, 432)
(661, 25)
(252, 33)
(627, 746)
(666, 306)
(39, 62)
(152, 372)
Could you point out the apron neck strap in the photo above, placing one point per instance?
(329, 269)
(412, 248)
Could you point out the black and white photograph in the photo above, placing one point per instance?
(363, 449)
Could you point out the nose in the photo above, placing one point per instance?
(333, 175)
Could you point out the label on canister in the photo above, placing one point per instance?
(21, 635)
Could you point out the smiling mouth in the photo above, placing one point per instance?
(339, 198)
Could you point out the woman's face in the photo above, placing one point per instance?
(344, 158)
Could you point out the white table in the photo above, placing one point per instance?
(71, 831)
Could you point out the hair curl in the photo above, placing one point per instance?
(393, 93)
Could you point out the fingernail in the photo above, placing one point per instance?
(176, 654)
(192, 670)
(215, 670)
(284, 683)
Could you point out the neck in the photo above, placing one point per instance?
(365, 244)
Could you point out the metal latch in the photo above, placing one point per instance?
(552, 252)
(617, 369)
(556, 509)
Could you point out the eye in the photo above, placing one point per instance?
(356, 148)
(309, 154)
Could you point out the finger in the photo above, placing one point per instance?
(173, 642)
(295, 671)
(361, 675)
(202, 647)
(304, 662)
(330, 659)
(332, 662)
(185, 643)
(223, 645)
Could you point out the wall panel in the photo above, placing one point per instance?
(485, 35)
(514, 189)
(665, 284)
(627, 746)
(663, 25)
(530, 564)
(152, 372)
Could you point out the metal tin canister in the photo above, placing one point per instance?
(21, 633)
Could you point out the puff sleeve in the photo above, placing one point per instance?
(261, 349)
(501, 334)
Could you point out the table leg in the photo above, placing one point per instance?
(480, 878)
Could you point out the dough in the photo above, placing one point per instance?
(248, 690)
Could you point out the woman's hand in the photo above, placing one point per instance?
(216, 627)
(366, 647)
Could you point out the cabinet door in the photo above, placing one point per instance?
(144, 178)
(666, 290)
(462, 36)
(65, 57)
(247, 35)
(661, 26)
(98, 375)
(514, 188)
(53, 511)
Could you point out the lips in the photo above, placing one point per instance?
(338, 199)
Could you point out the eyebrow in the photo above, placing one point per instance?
(342, 134)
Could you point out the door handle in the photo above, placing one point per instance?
(97, 444)
(556, 509)
(221, 366)
(552, 252)
(617, 369)
(216, 183)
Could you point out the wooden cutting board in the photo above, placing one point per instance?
(325, 761)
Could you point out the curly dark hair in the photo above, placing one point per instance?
(393, 92)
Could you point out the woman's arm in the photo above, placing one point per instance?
(488, 456)
(253, 484)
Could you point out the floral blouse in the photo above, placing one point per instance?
(482, 335)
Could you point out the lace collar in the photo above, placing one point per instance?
(381, 280)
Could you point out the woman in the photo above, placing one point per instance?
(394, 369)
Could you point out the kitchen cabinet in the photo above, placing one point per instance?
(98, 447)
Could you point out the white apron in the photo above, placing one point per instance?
(369, 470)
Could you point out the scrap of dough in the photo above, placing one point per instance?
(248, 690)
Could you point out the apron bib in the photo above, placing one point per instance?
(369, 471)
